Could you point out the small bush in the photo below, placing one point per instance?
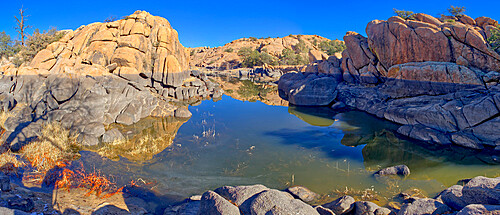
(407, 15)
(229, 50)
(253, 38)
(494, 39)
(331, 47)
(9, 158)
(456, 11)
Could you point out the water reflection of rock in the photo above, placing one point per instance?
(264, 90)
(382, 146)
(144, 139)
(317, 116)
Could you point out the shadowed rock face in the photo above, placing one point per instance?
(102, 73)
(437, 79)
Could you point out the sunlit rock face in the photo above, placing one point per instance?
(99, 74)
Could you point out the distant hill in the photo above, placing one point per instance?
(302, 49)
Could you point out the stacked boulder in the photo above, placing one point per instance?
(102, 73)
(479, 195)
(438, 78)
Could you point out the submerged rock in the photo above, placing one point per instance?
(401, 170)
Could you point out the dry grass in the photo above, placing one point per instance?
(94, 182)
(54, 146)
(368, 194)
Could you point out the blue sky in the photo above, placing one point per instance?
(214, 23)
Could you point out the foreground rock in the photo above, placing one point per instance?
(303, 193)
(438, 79)
(255, 199)
(424, 206)
(102, 73)
(480, 209)
(341, 205)
(258, 199)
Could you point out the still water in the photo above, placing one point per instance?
(232, 142)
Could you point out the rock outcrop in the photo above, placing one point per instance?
(437, 78)
(102, 73)
(226, 57)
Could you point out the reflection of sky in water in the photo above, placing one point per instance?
(230, 142)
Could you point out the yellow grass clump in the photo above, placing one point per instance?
(54, 146)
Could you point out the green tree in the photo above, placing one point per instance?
(331, 47)
(35, 43)
(456, 11)
(494, 39)
(252, 57)
(404, 14)
(301, 47)
(289, 57)
(7, 47)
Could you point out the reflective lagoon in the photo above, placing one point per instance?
(233, 142)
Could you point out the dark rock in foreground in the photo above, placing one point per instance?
(302, 193)
(258, 199)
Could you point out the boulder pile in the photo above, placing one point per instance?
(438, 78)
(102, 73)
(479, 196)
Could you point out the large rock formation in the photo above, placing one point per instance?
(437, 78)
(226, 57)
(102, 73)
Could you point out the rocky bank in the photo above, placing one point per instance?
(100, 74)
(437, 78)
(480, 195)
